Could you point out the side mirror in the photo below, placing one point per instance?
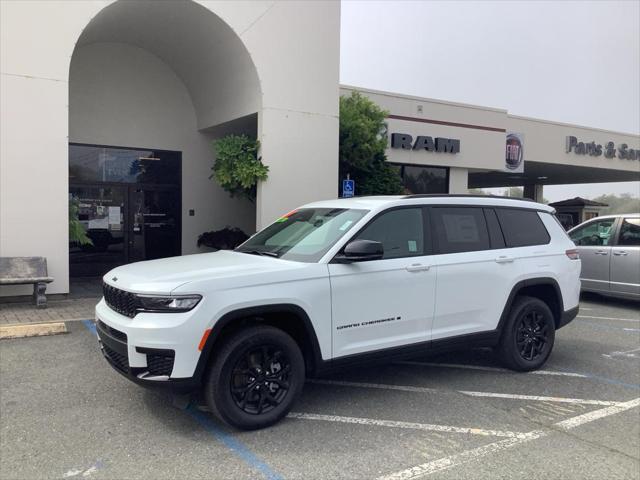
(360, 251)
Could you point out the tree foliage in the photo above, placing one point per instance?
(625, 203)
(362, 147)
(77, 233)
(237, 167)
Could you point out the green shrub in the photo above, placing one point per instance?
(237, 167)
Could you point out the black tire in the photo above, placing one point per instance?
(528, 335)
(255, 377)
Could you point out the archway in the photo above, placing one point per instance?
(151, 84)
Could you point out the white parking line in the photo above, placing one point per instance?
(611, 318)
(404, 388)
(407, 425)
(596, 414)
(490, 369)
(538, 398)
(476, 453)
(635, 353)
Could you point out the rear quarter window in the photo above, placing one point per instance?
(522, 228)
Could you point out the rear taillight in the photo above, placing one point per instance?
(573, 254)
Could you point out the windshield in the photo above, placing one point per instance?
(303, 235)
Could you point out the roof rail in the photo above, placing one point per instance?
(465, 195)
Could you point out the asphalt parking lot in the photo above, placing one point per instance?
(64, 413)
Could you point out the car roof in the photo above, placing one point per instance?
(385, 201)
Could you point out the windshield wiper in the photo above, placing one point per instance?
(263, 253)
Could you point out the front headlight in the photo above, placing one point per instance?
(182, 303)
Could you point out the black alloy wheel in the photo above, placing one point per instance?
(532, 335)
(260, 379)
(527, 335)
(255, 376)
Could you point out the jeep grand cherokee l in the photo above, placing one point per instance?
(337, 282)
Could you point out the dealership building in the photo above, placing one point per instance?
(114, 105)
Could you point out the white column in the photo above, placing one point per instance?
(534, 192)
(458, 180)
(301, 151)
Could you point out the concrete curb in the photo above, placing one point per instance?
(32, 330)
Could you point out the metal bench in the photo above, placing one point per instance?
(26, 271)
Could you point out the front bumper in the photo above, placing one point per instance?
(154, 350)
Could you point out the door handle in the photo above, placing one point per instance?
(504, 259)
(620, 253)
(417, 267)
(601, 252)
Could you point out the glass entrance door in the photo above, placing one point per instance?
(153, 219)
(101, 211)
(127, 201)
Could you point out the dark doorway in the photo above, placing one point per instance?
(128, 203)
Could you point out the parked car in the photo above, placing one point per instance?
(337, 282)
(609, 248)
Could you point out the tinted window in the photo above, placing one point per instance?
(630, 232)
(522, 228)
(110, 164)
(596, 233)
(401, 233)
(420, 179)
(460, 229)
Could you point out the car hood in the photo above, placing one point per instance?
(167, 274)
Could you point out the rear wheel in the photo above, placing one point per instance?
(528, 335)
(255, 377)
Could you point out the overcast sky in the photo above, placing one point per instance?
(574, 62)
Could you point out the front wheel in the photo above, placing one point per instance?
(528, 335)
(255, 377)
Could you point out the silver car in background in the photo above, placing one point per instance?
(609, 249)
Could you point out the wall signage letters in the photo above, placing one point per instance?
(438, 145)
(595, 149)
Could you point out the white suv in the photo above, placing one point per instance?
(337, 282)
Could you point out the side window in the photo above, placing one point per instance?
(460, 229)
(522, 228)
(401, 233)
(630, 232)
(596, 233)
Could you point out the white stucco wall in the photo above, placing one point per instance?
(294, 47)
(545, 142)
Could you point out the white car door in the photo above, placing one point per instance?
(474, 280)
(385, 303)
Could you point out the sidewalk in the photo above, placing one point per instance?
(58, 310)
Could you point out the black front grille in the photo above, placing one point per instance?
(117, 334)
(125, 303)
(160, 364)
(120, 361)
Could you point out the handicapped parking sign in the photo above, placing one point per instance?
(348, 188)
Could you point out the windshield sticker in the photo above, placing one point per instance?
(413, 247)
(286, 216)
(345, 225)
